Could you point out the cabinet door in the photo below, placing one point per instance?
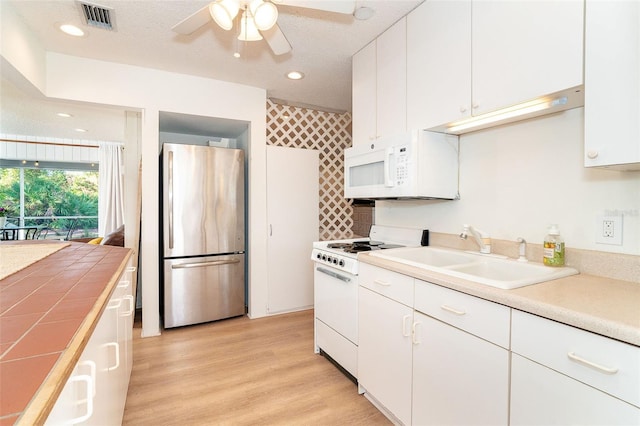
(541, 396)
(524, 49)
(364, 95)
(438, 63)
(612, 100)
(293, 217)
(457, 378)
(391, 86)
(384, 352)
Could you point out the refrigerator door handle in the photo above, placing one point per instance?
(204, 264)
(170, 200)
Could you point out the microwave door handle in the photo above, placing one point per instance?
(388, 182)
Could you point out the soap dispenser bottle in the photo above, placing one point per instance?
(553, 247)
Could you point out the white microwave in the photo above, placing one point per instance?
(417, 164)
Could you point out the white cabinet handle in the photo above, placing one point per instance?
(124, 284)
(116, 348)
(463, 109)
(382, 283)
(131, 269)
(414, 333)
(452, 310)
(592, 154)
(92, 373)
(89, 382)
(129, 299)
(405, 329)
(606, 370)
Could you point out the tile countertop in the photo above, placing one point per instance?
(47, 314)
(601, 305)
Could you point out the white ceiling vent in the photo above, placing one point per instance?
(98, 16)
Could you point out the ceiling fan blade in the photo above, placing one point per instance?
(337, 6)
(276, 40)
(193, 22)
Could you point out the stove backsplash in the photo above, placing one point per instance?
(362, 220)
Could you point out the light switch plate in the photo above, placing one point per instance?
(609, 229)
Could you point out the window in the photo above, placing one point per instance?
(62, 200)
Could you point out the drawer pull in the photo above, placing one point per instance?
(453, 311)
(383, 283)
(606, 370)
(414, 333)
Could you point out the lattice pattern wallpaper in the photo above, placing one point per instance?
(329, 133)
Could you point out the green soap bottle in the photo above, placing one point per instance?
(553, 247)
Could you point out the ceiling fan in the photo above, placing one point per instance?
(257, 18)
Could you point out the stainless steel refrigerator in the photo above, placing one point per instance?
(203, 229)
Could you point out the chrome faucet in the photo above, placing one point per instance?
(483, 240)
(522, 250)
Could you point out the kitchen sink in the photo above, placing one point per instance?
(498, 271)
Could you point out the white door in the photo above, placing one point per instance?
(293, 219)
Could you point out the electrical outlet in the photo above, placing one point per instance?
(609, 230)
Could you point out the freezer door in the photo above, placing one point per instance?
(203, 200)
(203, 289)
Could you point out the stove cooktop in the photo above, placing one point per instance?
(342, 254)
(364, 245)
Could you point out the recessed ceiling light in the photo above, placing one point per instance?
(72, 30)
(363, 13)
(64, 115)
(295, 75)
(81, 130)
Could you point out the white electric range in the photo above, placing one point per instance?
(336, 289)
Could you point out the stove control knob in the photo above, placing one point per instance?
(341, 262)
(324, 257)
(335, 261)
(318, 256)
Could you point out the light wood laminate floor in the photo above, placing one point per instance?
(241, 372)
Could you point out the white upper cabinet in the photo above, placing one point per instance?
(380, 86)
(467, 58)
(524, 49)
(364, 94)
(612, 98)
(391, 66)
(438, 63)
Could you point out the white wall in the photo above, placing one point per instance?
(517, 179)
(20, 48)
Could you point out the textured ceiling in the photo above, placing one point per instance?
(322, 42)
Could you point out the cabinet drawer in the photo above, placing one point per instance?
(395, 286)
(606, 364)
(487, 320)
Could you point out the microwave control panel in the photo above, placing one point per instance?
(402, 165)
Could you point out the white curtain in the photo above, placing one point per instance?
(110, 188)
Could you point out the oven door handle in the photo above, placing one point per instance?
(333, 274)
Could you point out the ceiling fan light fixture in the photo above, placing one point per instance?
(248, 29)
(223, 12)
(265, 14)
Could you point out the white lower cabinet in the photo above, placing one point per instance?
(96, 391)
(563, 375)
(460, 359)
(542, 396)
(384, 352)
(429, 355)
